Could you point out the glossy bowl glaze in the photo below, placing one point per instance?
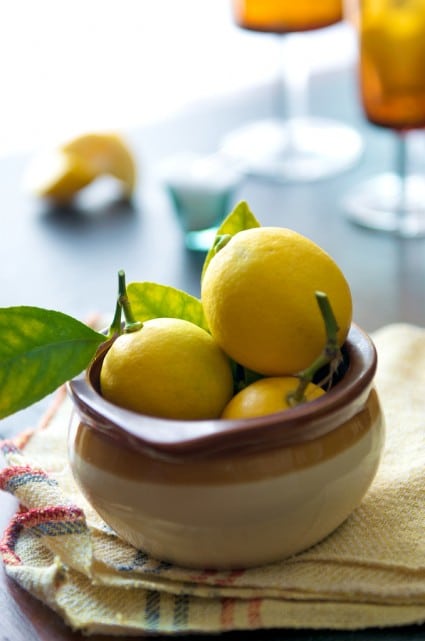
(226, 493)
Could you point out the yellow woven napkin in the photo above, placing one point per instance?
(370, 572)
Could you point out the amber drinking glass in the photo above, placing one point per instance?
(286, 17)
(391, 36)
(293, 146)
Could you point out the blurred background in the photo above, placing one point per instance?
(67, 67)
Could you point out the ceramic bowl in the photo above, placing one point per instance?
(230, 493)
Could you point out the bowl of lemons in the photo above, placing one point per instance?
(239, 428)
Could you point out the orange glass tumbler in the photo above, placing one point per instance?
(392, 62)
(286, 16)
(391, 69)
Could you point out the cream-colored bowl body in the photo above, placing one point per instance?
(226, 493)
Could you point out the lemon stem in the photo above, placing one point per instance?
(115, 328)
(131, 324)
(330, 353)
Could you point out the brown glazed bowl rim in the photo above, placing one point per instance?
(167, 438)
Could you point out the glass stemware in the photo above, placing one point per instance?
(391, 36)
(293, 146)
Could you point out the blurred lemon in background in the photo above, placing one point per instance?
(60, 174)
(106, 154)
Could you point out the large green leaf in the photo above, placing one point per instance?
(152, 300)
(39, 350)
(239, 219)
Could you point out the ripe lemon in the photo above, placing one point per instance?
(267, 396)
(258, 294)
(170, 368)
(60, 174)
(106, 153)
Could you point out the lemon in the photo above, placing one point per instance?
(170, 368)
(60, 174)
(106, 153)
(267, 396)
(258, 294)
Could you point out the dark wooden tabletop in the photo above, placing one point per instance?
(68, 260)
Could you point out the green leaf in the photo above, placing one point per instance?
(152, 300)
(40, 350)
(239, 219)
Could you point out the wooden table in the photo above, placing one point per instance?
(68, 260)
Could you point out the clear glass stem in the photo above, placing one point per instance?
(292, 86)
(401, 172)
(294, 77)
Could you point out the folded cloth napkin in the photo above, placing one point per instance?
(370, 572)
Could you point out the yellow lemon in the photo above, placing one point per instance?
(106, 153)
(267, 396)
(170, 368)
(59, 176)
(258, 294)
(62, 173)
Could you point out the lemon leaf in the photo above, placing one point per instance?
(152, 300)
(40, 350)
(240, 218)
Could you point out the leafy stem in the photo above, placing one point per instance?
(115, 327)
(131, 324)
(123, 305)
(330, 354)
